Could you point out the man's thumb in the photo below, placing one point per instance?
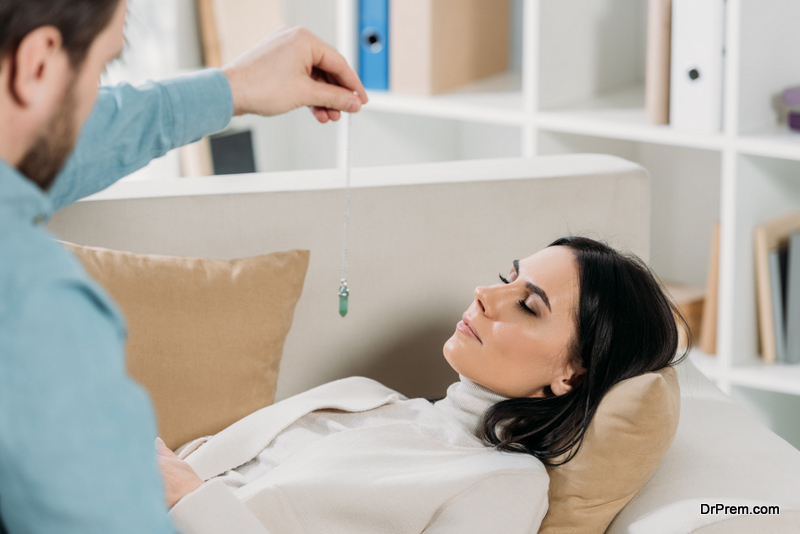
(163, 450)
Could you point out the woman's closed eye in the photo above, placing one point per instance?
(521, 302)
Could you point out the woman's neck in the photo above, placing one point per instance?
(467, 403)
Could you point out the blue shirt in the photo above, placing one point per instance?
(76, 433)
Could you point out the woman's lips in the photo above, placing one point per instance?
(465, 327)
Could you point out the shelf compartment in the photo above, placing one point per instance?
(289, 142)
(497, 99)
(768, 41)
(766, 188)
(621, 115)
(589, 48)
(381, 138)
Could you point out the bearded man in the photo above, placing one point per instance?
(76, 433)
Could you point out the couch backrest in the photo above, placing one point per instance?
(421, 238)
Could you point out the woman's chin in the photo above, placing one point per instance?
(450, 351)
(450, 345)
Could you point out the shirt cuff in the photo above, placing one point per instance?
(203, 104)
(211, 509)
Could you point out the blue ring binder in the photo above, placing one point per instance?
(373, 43)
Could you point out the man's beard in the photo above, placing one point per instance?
(50, 151)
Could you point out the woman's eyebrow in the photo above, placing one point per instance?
(533, 288)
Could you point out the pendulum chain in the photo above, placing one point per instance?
(344, 292)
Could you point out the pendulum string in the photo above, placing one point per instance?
(344, 292)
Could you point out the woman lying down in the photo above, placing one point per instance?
(535, 354)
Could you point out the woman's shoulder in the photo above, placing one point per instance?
(353, 386)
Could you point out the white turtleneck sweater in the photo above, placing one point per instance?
(455, 418)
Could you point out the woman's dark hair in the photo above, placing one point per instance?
(625, 327)
(79, 21)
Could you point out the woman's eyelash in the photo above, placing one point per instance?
(526, 308)
(521, 302)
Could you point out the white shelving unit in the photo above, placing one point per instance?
(580, 88)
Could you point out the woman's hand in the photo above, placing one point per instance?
(293, 68)
(179, 477)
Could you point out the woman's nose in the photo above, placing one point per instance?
(481, 298)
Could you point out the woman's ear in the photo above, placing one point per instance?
(565, 383)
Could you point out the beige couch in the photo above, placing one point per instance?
(422, 237)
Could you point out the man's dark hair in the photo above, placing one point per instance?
(79, 21)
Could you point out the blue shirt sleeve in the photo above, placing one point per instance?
(76, 453)
(129, 126)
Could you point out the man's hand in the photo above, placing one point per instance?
(293, 68)
(179, 477)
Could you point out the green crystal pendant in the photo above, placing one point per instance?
(344, 294)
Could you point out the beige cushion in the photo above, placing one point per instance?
(205, 336)
(626, 441)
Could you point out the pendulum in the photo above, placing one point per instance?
(344, 292)
(343, 295)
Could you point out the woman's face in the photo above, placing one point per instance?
(514, 338)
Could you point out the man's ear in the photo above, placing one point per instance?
(37, 63)
(568, 381)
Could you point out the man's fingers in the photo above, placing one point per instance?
(327, 59)
(324, 115)
(331, 110)
(333, 97)
(319, 113)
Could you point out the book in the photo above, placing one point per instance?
(657, 65)
(708, 325)
(767, 237)
(373, 43)
(195, 159)
(793, 301)
(777, 275)
(697, 52)
(689, 302)
(438, 45)
(209, 37)
(230, 27)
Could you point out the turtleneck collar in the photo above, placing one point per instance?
(467, 403)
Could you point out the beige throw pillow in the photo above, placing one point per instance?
(205, 336)
(629, 436)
